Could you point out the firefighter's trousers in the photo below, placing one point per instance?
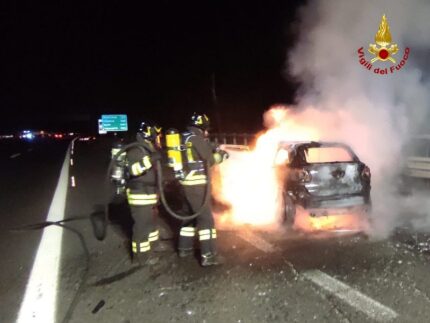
(203, 227)
(142, 203)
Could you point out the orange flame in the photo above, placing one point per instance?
(249, 184)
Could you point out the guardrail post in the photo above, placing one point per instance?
(232, 138)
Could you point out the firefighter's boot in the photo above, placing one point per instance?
(184, 253)
(211, 259)
(143, 259)
(139, 259)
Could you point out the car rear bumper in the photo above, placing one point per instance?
(339, 202)
(343, 202)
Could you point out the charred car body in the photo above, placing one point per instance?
(322, 178)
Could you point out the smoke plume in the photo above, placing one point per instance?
(346, 102)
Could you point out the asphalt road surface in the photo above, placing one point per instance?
(280, 276)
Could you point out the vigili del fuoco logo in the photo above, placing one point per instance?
(384, 50)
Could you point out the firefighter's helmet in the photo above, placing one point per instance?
(157, 128)
(118, 143)
(200, 121)
(147, 131)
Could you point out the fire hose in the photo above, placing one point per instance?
(144, 147)
(99, 223)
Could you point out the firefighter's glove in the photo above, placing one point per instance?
(215, 147)
(224, 154)
(156, 156)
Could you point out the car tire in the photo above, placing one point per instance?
(289, 213)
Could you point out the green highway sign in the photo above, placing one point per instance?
(113, 123)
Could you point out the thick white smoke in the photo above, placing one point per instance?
(373, 113)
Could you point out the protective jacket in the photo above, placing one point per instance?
(141, 169)
(198, 152)
(142, 197)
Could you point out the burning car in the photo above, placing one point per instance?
(324, 179)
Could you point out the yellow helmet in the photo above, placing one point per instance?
(200, 121)
(147, 131)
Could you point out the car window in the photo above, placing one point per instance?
(327, 155)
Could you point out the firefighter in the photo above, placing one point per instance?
(199, 152)
(142, 194)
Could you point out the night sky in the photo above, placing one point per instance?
(67, 63)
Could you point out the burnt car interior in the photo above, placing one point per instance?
(316, 153)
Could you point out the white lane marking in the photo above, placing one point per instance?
(257, 241)
(15, 155)
(354, 298)
(40, 299)
(71, 161)
(72, 179)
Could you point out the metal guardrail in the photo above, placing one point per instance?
(418, 167)
(245, 139)
(234, 147)
(418, 158)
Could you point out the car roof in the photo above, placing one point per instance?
(295, 144)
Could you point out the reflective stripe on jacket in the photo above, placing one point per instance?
(194, 178)
(141, 166)
(141, 199)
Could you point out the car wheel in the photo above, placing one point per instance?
(289, 210)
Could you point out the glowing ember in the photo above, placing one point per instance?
(330, 222)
